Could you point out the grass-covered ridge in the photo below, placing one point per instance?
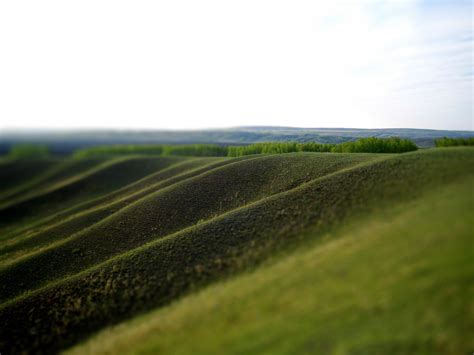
(195, 222)
(362, 145)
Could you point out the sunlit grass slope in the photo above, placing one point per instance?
(400, 282)
(148, 242)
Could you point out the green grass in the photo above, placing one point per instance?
(397, 283)
(194, 223)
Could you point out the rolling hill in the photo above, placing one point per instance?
(290, 253)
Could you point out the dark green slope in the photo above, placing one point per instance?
(56, 175)
(15, 173)
(173, 166)
(81, 216)
(397, 282)
(169, 210)
(64, 311)
(105, 178)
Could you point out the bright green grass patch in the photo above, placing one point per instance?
(397, 283)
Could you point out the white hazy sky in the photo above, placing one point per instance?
(199, 64)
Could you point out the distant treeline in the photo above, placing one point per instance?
(197, 150)
(376, 145)
(453, 142)
(28, 151)
(363, 145)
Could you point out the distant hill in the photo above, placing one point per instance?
(64, 142)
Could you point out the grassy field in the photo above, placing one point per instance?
(291, 253)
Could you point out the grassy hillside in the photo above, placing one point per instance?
(397, 283)
(79, 217)
(59, 172)
(106, 177)
(15, 173)
(156, 215)
(173, 167)
(152, 239)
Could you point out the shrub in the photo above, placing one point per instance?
(22, 151)
(154, 149)
(453, 142)
(278, 148)
(376, 145)
(119, 150)
(195, 150)
(364, 145)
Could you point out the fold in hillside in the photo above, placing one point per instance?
(175, 166)
(49, 178)
(104, 178)
(65, 311)
(14, 174)
(168, 210)
(391, 283)
(86, 214)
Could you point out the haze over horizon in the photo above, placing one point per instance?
(214, 64)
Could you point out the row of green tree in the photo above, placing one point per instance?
(363, 145)
(196, 150)
(29, 151)
(453, 142)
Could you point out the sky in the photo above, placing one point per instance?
(209, 64)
